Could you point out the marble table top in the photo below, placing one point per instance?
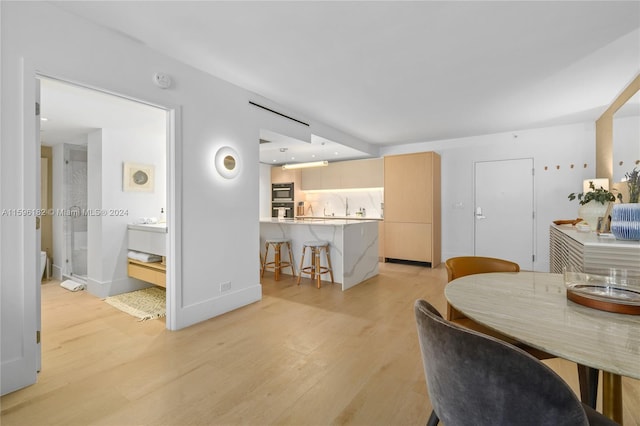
(532, 307)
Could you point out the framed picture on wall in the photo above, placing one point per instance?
(138, 177)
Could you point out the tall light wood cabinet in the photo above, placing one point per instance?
(412, 229)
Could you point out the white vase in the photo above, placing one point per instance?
(591, 211)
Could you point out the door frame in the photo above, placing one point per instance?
(173, 213)
(21, 371)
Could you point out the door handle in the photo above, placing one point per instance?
(478, 213)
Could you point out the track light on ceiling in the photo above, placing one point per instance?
(305, 165)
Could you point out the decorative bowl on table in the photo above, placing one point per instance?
(614, 292)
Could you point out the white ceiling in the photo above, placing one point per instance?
(399, 72)
(69, 112)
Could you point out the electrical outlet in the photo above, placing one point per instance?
(225, 286)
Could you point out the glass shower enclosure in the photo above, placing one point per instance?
(75, 199)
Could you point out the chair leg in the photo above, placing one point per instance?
(433, 419)
(293, 269)
(317, 268)
(264, 261)
(301, 264)
(276, 261)
(588, 379)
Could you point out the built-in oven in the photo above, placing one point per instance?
(282, 192)
(282, 210)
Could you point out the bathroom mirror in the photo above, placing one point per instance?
(227, 162)
(626, 138)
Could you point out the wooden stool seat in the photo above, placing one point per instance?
(315, 270)
(277, 264)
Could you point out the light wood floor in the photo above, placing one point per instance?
(301, 356)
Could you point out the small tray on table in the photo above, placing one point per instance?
(606, 293)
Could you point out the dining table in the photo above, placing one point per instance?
(532, 307)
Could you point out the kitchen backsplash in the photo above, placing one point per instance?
(326, 203)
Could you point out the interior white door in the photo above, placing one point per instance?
(504, 215)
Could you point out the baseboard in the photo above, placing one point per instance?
(111, 288)
(210, 308)
(56, 272)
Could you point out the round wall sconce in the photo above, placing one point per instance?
(227, 162)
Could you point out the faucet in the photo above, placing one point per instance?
(346, 206)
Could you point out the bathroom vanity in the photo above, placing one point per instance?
(150, 239)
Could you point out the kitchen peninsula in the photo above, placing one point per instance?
(353, 242)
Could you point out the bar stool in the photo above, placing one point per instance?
(316, 269)
(277, 263)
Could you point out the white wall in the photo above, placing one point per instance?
(143, 146)
(549, 147)
(94, 201)
(214, 229)
(265, 190)
(108, 149)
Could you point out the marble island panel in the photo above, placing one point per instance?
(353, 245)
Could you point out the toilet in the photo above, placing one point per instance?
(43, 262)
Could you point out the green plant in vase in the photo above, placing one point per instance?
(593, 204)
(633, 184)
(599, 195)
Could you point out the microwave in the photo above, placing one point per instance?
(282, 192)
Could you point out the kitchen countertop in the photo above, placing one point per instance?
(353, 244)
(354, 217)
(318, 221)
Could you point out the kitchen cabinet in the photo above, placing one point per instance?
(412, 229)
(367, 173)
(408, 241)
(278, 175)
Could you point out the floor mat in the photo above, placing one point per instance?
(148, 303)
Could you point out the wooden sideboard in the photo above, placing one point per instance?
(588, 252)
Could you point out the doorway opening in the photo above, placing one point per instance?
(90, 135)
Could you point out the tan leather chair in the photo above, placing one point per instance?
(468, 265)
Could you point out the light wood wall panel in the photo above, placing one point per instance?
(604, 131)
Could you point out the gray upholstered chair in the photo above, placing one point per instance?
(475, 379)
(458, 267)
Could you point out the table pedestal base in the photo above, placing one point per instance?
(612, 396)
